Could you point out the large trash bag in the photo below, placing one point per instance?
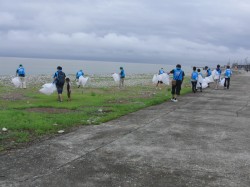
(159, 77)
(204, 84)
(48, 88)
(222, 82)
(116, 77)
(165, 78)
(16, 81)
(155, 80)
(83, 80)
(209, 79)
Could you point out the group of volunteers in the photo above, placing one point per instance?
(59, 80)
(197, 79)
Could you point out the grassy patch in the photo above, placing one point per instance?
(28, 115)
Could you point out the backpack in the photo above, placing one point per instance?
(60, 80)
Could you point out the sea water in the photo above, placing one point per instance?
(38, 66)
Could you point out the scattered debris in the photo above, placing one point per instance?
(60, 131)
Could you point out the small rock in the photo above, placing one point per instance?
(60, 131)
(4, 129)
(55, 124)
(100, 110)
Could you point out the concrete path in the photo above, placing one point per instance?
(203, 140)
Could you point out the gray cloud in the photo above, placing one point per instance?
(161, 31)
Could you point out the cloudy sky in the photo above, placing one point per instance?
(161, 31)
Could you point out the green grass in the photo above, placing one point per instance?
(29, 115)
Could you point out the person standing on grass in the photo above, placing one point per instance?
(200, 79)
(20, 72)
(161, 71)
(194, 79)
(178, 77)
(217, 77)
(59, 80)
(68, 89)
(228, 73)
(78, 75)
(208, 73)
(122, 77)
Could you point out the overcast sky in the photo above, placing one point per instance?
(194, 32)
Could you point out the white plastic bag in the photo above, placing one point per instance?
(165, 78)
(16, 81)
(83, 80)
(209, 79)
(48, 88)
(204, 84)
(222, 82)
(155, 80)
(159, 77)
(116, 77)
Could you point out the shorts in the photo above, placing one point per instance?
(176, 88)
(59, 88)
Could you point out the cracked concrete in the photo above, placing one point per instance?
(203, 140)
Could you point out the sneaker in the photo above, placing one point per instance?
(172, 99)
(175, 100)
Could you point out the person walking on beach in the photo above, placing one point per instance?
(59, 80)
(68, 89)
(208, 73)
(122, 77)
(161, 71)
(217, 77)
(200, 79)
(78, 75)
(194, 79)
(178, 77)
(227, 74)
(20, 72)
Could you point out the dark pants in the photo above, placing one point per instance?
(59, 88)
(177, 88)
(227, 83)
(194, 84)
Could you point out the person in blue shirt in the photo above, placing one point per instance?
(194, 79)
(217, 77)
(20, 72)
(208, 73)
(78, 75)
(59, 80)
(161, 71)
(122, 77)
(178, 77)
(228, 73)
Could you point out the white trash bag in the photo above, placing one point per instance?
(209, 79)
(165, 78)
(155, 80)
(48, 88)
(116, 77)
(204, 84)
(16, 81)
(159, 77)
(222, 82)
(83, 80)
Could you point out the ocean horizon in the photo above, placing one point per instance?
(41, 66)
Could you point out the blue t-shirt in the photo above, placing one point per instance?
(228, 73)
(79, 74)
(161, 71)
(122, 73)
(194, 76)
(21, 72)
